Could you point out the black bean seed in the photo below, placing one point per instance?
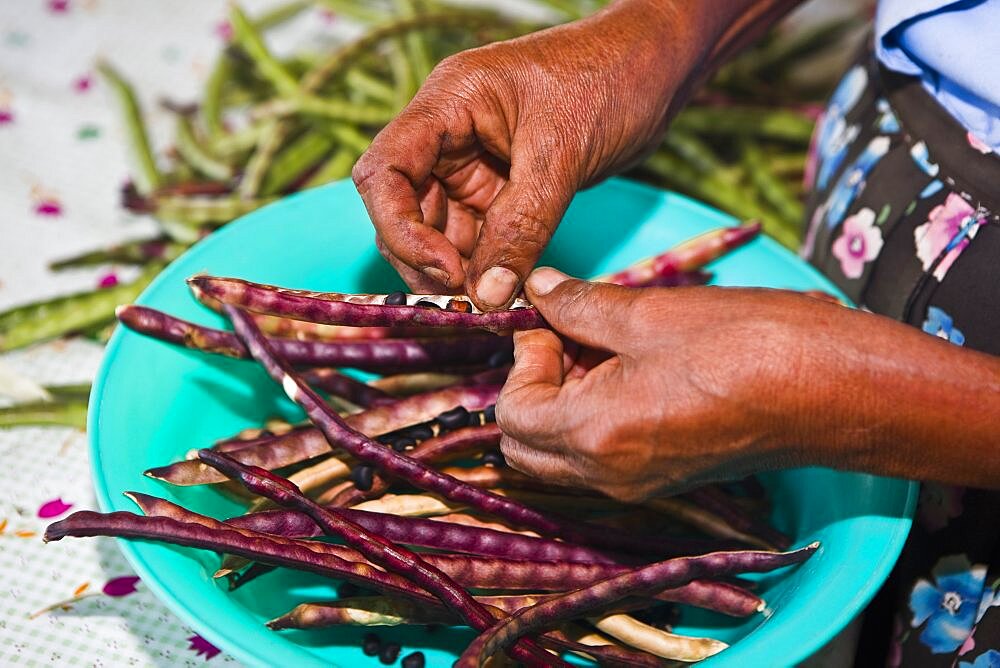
(426, 303)
(362, 477)
(420, 432)
(395, 299)
(456, 418)
(500, 358)
(371, 644)
(403, 443)
(415, 660)
(490, 413)
(494, 459)
(389, 653)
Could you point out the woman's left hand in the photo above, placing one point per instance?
(691, 387)
(638, 392)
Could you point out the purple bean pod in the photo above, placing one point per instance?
(442, 448)
(392, 611)
(340, 385)
(87, 523)
(289, 328)
(429, 533)
(424, 477)
(374, 355)
(381, 611)
(362, 310)
(689, 256)
(266, 549)
(274, 452)
(264, 439)
(720, 597)
(380, 551)
(717, 502)
(679, 280)
(501, 477)
(641, 581)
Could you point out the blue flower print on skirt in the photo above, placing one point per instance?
(835, 136)
(949, 604)
(989, 659)
(852, 181)
(940, 324)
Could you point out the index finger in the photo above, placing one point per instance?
(389, 177)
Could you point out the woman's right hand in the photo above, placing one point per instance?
(467, 185)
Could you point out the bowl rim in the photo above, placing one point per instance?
(238, 646)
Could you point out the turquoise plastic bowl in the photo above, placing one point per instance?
(153, 402)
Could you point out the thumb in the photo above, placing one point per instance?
(597, 315)
(519, 223)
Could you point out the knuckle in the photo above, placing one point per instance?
(590, 443)
(383, 249)
(529, 229)
(574, 301)
(516, 455)
(514, 414)
(503, 410)
(363, 171)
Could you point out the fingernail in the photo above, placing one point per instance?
(543, 281)
(437, 275)
(496, 286)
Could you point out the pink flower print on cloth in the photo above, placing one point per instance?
(6, 107)
(859, 243)
(202, 647)
(978, 144)
(949, 229)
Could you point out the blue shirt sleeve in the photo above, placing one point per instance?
(954, 47)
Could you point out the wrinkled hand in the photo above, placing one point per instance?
(467, 185)
(664, 395)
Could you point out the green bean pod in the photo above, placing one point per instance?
(251, 41)
(192, 151)
(777, 124)
(148, 177)
(32, 323)
(131, 252)
(293, 161)
(45, 413)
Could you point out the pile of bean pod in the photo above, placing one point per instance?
(267, 126)
(410, 461)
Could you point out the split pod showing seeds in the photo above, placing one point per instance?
(363, 310)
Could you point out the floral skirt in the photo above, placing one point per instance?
(904, 216)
